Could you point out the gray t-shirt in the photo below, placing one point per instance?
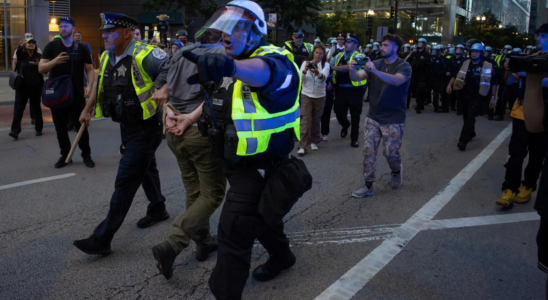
(388, 103)
(183, 96)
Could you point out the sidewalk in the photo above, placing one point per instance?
(7, 94)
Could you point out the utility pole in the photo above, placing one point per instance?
(396, 17)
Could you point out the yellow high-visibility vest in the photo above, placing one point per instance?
(254, 124)
(141, 81)
(309, 47)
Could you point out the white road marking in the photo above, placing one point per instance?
(17, 184)
(481, 221)
(382, 232)
(358, 276)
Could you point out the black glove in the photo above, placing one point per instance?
(211, 67)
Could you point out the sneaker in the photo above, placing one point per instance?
(301, 152)
(325, 138)
(61, 162)
(507, 199)
(397, 178)
(524, 195)
(92, 246)
(38, 133)
(14, 135)
(363, 192)
(313, 147)
(354, 144)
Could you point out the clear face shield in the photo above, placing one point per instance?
(237, 26)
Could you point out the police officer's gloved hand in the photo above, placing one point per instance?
(211, 67)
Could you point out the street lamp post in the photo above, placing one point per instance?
(370, 14)
(480, 20)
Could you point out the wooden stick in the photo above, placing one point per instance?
(73, 148)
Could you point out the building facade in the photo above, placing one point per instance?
(438, 21)
(538, 14)
(16, 18)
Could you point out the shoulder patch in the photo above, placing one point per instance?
(159, 54)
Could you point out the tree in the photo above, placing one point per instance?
(491, 33)
(192, 8)
(299, 11)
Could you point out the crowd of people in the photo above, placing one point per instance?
(231, 107)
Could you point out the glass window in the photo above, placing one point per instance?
(2, 42)
(15, 30)
(16, 2)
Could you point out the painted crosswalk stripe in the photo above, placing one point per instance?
(358, 276)
(18, 184)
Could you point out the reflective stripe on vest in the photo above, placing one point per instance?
(254, 124)
(142, 82)
(354, 83)
(485, 77)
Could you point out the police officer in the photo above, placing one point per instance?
(127, 72)
(454, 66)
(419, 62)
(475, 80)
(299, 49)
(411, 92)
(257, 130)
(341, 40)
(348, 93)
(376, 52)
(406, 51)
(368, 49)
(438, 69)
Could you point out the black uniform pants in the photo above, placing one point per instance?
(471, 105)
(423, 94)
(411, 92)
(509, 96)
(240, 224)
(445, 98)
(326, 116)
(500, 107)
(137, 168)
(61, 118)
(349, 98)
(31, 94)
(521, 143)
(436, 83)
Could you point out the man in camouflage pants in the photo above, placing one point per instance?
(389, 80)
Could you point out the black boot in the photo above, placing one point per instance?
(150, 220)
(203, 250)
(461, 146)
(92, 245)
(274, 266)
(165, 256)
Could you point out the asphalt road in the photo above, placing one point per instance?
(479, 251)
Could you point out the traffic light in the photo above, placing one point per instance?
(369, 22)
(412, 20)
(392, 12)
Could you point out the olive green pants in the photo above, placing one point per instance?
(205, 186)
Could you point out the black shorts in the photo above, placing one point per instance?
(542, 244)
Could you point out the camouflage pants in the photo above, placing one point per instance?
(392, 135)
